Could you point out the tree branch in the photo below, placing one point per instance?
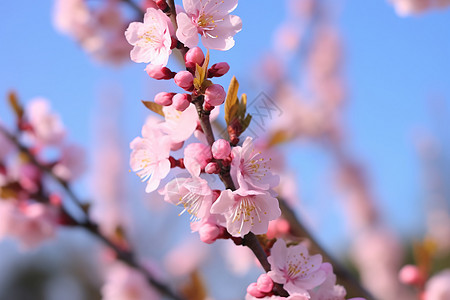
(127, 257)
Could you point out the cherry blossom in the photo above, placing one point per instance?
(178, 125)
(291, 297)
(210, 19)
(250, 169)
(193, 193)
(295, 268)
(123, 282)
(31, 223)
(328, 290)
(151, 39)
(196, 157)
(438, 286)
(246, 211)
(150, 155)
(72, 163)
(47, 126)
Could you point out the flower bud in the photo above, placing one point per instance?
(215, 95)
(184, 80)
(159, 72)
(264, 283)
(221, 149)
(164, 98)
(162, 5)
(212, 168)
(209, 233)
(253, 290)
(218, 70)
(410, 275)
(194, 56)
(181, 101)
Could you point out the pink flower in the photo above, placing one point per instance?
(31, 224)
(47, 126)
(151, 39)
(150, 155)
(328, 290)
(246, 211)
(179, 126)
(123, 282)
(250, 169)
(196, 157)
(72, 163)
(193, 193)
(438, 286)
(295, 268)
(210, 19)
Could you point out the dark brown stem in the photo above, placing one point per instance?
(173, 13)
(351, 284)
(250, 239)
(127, 257)
(203, 115)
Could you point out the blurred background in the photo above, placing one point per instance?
(361, 91)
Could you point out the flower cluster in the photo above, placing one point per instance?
(248, 203)
(30, 212)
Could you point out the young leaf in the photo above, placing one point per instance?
(153, 106)
(231, 105)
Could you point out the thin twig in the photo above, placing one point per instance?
(127, 257)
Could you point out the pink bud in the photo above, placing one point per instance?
(162, 5)
(264, 283)
(164, 98)
(254, 291)
(181, 101)
(212, 168)
(209, 233)
(221, 149)
(194, 56)
(159, 72)
(185, 80)
(215, 95)
(410, 275)
(218, 69)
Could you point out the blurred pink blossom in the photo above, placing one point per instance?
(72, 163)
(47, 126)
(196, 157)
(438, 286)
(123, 282)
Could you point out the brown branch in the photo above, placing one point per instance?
(127, 257)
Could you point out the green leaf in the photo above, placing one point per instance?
(231, 102)
(153, 106)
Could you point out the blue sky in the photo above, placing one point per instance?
(393, 66)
